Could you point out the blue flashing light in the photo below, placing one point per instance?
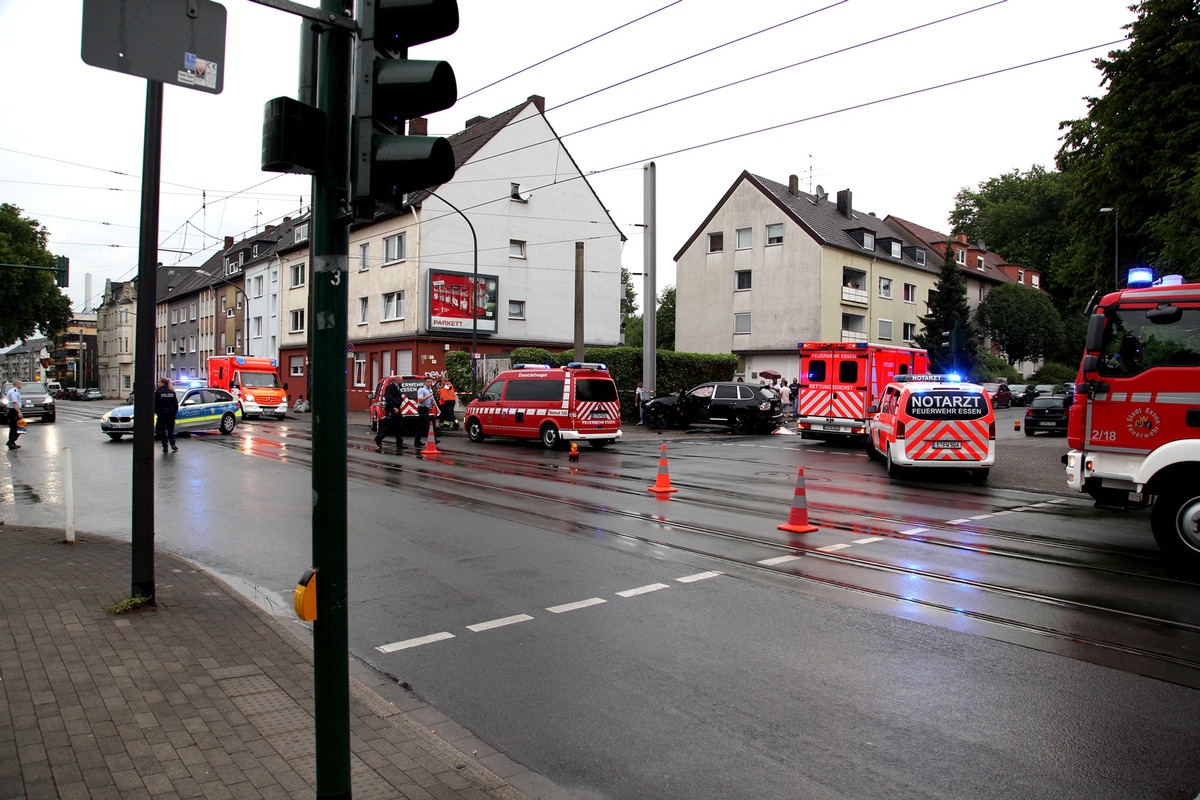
(587, 365)
(953, 377)
(1139, 277)
(239, 360)
(531, 366)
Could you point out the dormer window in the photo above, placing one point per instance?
(1020, 276)
(960, 256)
(919, 256)
(897, 248)
(979, 263)
(302, 233)
(868, 240)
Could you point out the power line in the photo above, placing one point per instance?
(569, 49)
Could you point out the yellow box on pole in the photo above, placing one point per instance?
(304, 599)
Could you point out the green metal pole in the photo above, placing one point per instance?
(330, 247)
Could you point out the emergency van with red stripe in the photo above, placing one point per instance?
(933, 421)
(839, 380)
(577, 402)
(1134, 429)
(409, 384)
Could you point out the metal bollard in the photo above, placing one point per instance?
(68, 495)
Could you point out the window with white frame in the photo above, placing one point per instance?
(741, 323)
(868, 240)
(364, 305)
(192, 312)
(393, 306)
(743, 279)
(1035, 280)
(775, 233)
(274, 276)
(910, 331)
(885, 288)
(395, 248)
(745, 238)
(296, 366)
(979, 263)
(173, 346)
(192, 343)
(257, 285)
(256, 327)
(960, 256)
(516, 309)
(716, 242)
(516, 248)
(298, 276)
(897, 250)
(360, 369)
(919, 256)
(364, 256)
(297, 321)
(885, 329)
(174, 316)
(274, 304)
(302, 233)
(910, 293)
(1020, 276)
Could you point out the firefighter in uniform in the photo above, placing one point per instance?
(447, 400)
(392, 421)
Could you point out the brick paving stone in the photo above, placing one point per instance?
(203, 695)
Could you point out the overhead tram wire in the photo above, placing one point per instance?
(834, 112)
(749, 78)
(569, 49)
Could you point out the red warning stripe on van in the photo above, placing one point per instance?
(946, 440)
(840, 404)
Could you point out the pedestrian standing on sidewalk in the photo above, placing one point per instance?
(639, 397)
(393, 420)
(14, 415)
(795, 387)
(166, 407)
(425, 397)
(785, 398)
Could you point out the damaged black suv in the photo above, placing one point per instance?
(741, 407)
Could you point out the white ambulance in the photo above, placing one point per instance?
(933, 421)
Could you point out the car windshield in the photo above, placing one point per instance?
(33, 387)
(991, 387)
(1049, 402)
(1017, 388)
(260, 380)
(946, 404)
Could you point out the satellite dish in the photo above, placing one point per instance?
(821, 193)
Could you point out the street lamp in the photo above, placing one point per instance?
(1116, 243)
(474, 292)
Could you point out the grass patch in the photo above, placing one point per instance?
(128, 604)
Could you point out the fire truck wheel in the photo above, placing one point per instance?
(550, 437)
(475, 430)
(228, 423)
(1175, 521)
(741, 424)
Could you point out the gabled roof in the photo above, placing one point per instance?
(287, 234)
(166, 278)
(820, 218)
(939, 242)
(204, 275)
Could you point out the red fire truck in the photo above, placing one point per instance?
(1134, 429)
(839, 380)
(253, 380)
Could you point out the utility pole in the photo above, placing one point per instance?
(579, 345)
(649, 290)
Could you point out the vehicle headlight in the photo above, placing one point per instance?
(766, 406)
(105, 417)
(249, 398)
(48, 401)
(284, 400)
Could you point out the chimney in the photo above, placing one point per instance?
(418, 126)
(794, 186)
(474, 121)
(269, 228)
(961, 238)
(228, 242)
(845, 205)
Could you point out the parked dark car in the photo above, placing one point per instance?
(1049, 413)
(1000, 393)
(742, 407)
(1022, 393)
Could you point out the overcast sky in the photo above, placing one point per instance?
(71, 134)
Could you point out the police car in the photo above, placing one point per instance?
(933, 421)
(201, 408)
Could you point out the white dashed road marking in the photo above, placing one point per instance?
(869, 539)
(591, 601)
(957, 521)
(770, 562)
(499, 623)
(653, 587)
(420, 640)
(699, 576)
(911, 531)
(829, 548)
(982, 516)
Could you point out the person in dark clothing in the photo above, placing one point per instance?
(14, 415)
(166, 406)
(392, 420)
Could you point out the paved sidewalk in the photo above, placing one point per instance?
(203, 696)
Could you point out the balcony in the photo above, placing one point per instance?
(855, 296)
(854, 336)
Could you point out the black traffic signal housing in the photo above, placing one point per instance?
(391, 88)
(947, 346)
(62, 271)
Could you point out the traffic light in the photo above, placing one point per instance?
(947, 346)
(62, 271)
(392, 88)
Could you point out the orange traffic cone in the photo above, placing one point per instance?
(1016, 424)
(662, 483)
(430, 446)
(574, 454)
(798, 518)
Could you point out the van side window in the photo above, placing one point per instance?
(595, 391)
(494, 391)
(816, 370)
(523, 389)
(848, 371)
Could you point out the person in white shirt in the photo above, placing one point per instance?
(785, 398)
(14, 414)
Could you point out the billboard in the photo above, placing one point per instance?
(450, 301)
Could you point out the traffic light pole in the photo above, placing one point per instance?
(330, 244)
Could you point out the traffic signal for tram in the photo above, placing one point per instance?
(391, 88)
(947, 346)
(62, 271)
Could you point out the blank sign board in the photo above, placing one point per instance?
(174, 42)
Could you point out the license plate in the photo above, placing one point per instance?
(830, 427)
(599, 415)
(947, 445)
(1047, 423)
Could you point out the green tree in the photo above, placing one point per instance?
(1138, 151)
(1021, 321)
(664, 323)
(629, 304)
(948, 305)
(30, 301)
(1020, 216)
